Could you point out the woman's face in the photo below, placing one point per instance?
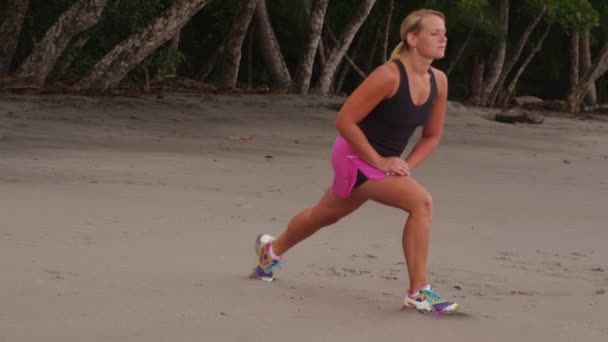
(430, 41)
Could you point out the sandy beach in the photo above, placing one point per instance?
(133, 219)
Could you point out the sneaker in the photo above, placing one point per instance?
(426, 300)
(266, 263)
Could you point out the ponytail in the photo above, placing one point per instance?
(397, 51)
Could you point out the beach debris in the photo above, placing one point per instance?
(268, 156)
(457, 287)
(240, 137)
(600, 291)
(515, 115)
(598, 269)
(523, 293)
(566, 161)
(223, 313)
(524, 100)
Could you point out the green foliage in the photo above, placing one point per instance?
(573, 15)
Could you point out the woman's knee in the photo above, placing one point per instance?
(421, 204)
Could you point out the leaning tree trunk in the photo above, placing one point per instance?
(386, 29)
(454, 60)
(574, 61)
(511, 87)
(67, 61)
(339, 81)
(585, 60)
(115, 65)
(231, 60)
(338, 51)
(498, 54)
(9, 32)
(519, 48)
(598, 68)
(80, 17)
(270, 48)
(303, 73)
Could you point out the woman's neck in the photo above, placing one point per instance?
(416, 64)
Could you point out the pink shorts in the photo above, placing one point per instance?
(346, 162)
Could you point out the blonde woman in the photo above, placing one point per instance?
(374, 126)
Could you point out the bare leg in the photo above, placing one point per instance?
(405, 193)
(329, 210)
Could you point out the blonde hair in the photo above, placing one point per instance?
(411, 24)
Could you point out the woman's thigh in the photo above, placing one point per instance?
(402, 192)
(337, 207)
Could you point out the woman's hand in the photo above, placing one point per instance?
(394, 166)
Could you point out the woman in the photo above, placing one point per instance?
(374, 125)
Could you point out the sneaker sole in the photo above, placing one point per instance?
(255, 276)
(432, 313)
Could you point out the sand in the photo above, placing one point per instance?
(133, 219)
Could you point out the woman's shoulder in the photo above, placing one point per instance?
(439, 75)
(387, 73)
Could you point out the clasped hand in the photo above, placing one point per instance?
(394, 166)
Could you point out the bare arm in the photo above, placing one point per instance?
(433, 129)
(380, 84)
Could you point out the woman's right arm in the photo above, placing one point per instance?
(380, 84)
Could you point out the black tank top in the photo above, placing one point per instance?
(390, 125)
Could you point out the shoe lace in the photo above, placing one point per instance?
(433, 297)
(273, 264)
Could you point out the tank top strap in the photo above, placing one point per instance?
(434, 90)
(403, 75)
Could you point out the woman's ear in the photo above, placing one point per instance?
(411, 40)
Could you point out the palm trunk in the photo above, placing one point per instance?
(519, 48)
(498, 54)
(207, 67)
(80, 17)
(585, 60)
(338, 51)
(373, 50)
(10, 31)
(598, 68)
(269, 46)
(250, 57)
(344, 68)
(476, 82)
(322, 52)
(229, 67)
(574, 61)
(174, 44)
(303, 73)
(511, 87)
(115, 65)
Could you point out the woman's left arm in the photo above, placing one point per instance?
(432, 130)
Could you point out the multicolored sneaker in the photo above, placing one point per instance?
(428, 301)
(266, 263)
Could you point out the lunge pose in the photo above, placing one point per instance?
(374, 126)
